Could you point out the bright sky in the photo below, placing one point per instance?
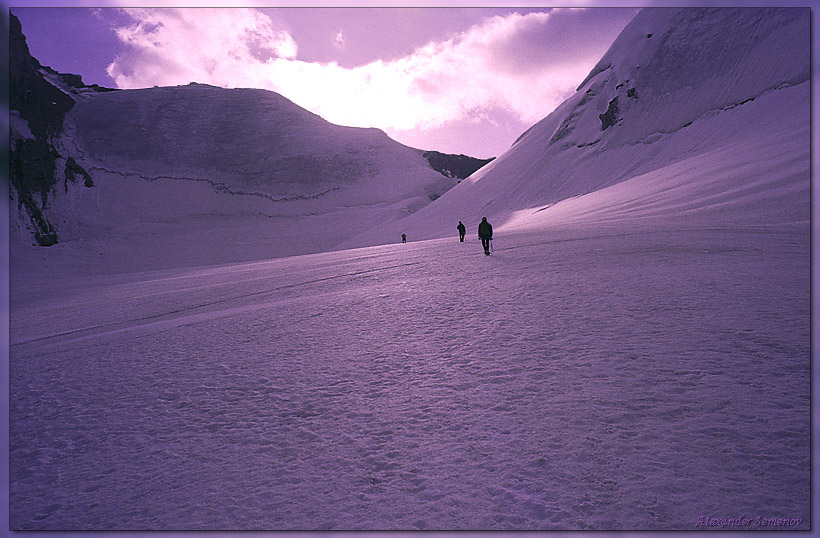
(458, 80)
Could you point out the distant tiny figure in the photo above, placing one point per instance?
(485, 233)
(404, 238)
(461, 231)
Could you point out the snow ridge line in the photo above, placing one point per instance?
(219, 186)
(780, 86)
(715, 111)
(136, 322)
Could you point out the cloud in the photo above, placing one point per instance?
(176, 46)
(488, 67)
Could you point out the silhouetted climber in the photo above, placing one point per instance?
(404, 238)
(485, 233)
(461, 231)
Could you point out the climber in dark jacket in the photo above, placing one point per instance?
(485, 233)
(461, 231)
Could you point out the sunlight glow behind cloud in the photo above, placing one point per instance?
(466, 77)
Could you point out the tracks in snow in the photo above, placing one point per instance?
(189, 314)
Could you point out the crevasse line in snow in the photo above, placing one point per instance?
(725, 108)
(217, 186)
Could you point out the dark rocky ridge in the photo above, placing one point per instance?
(34, 161)
(454, 166)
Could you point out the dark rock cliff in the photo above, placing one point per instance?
(454, 166)
(34, 157)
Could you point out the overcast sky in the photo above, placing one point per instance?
(458, 80)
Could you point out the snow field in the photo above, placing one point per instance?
(634, 356)
(609, 378)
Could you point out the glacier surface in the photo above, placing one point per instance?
(591, 379)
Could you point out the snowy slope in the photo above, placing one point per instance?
(245, 140)
(221, 168)
(698, 114)
(590, 380)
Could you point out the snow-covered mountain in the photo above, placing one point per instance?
(693, 116)
(247, 142)
(227, 174)
(697, 117)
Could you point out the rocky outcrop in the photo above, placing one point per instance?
(454, 166)
(38, 109)
(610, 117)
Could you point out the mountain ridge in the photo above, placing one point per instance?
(653, 132)
(244, 142)
(675, 84)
